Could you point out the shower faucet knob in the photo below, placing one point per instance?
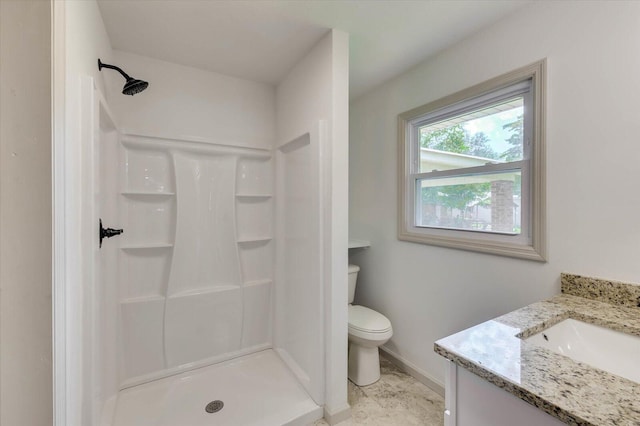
(108, 232)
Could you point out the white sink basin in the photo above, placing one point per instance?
(600, 347)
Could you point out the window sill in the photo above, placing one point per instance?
(527, 252)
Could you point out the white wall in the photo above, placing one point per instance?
(592, 174)
(85, 40)
(25, 213)
(336, 219)
(188, 103)
(313, 99)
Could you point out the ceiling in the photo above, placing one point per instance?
(261, 40)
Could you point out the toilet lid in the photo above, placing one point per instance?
(368, 320)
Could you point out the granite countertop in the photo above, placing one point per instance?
(573, 392)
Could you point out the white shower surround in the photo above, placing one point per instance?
(148, 261)
(194, 269)
(181, 314)
(196, 258)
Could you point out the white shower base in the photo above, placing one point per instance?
(256, 389)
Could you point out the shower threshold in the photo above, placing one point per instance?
(256, 389)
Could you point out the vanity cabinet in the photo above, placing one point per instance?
(472, 401)
(496, 375)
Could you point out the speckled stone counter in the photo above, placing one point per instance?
(573, 392)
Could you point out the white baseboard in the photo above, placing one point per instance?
(413, 371)
(337, 416)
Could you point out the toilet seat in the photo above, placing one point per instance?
(365, 320)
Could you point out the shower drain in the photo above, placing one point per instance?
(214, 406)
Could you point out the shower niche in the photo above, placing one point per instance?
(196, 259)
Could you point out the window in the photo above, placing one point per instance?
(472, 168)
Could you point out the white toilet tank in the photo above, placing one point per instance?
(353, 277)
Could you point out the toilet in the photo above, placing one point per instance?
(368, 329)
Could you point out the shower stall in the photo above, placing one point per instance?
(223, 300)
(189, 288)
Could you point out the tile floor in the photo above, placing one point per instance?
(397, 399)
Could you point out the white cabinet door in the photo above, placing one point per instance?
(473, 401)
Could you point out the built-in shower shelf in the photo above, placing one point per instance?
(253, 196)
(258, 282)
(136, 194)
(254, 240)
(356, 244)
(210, 289)
(143, 299)
(154, 246)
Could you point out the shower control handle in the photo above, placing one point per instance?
(108, 232)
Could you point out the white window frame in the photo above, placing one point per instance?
(529, 81)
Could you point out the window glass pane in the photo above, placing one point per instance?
(492, 134)
(481, 202)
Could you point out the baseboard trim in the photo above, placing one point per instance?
(340, 415)
(413, 371)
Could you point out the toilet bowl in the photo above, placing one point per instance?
(368, 330)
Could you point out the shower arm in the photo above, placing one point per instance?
(132, 86)
(113, 67)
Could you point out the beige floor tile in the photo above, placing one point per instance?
(397, 399)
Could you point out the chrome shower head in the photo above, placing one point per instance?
(132, 86)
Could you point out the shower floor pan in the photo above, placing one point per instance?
(256, 389)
